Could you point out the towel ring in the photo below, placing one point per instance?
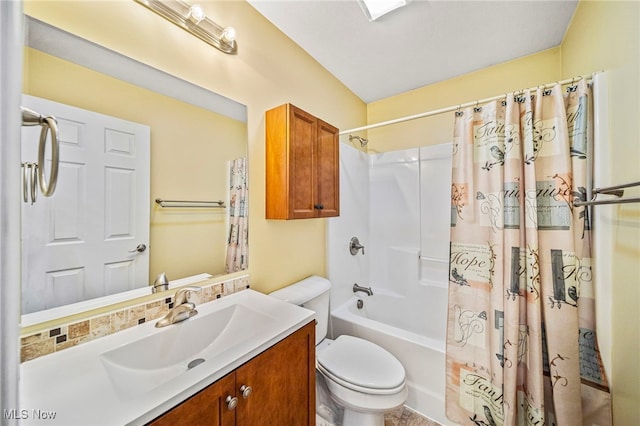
(48, 185)
(29, 179)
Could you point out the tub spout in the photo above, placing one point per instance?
(367, 290)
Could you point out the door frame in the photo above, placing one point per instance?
(11, 57)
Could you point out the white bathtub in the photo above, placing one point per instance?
(412, 332)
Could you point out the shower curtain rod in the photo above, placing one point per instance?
(454, 107)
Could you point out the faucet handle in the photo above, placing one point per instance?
(182, 293)
(354, 246)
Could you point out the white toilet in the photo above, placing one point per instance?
(362, 378)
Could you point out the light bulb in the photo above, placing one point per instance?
(228, 35)
(196, 14)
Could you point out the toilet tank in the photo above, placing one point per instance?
(311, 293)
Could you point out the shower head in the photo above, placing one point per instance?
(363, 141)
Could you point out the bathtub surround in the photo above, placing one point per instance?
(70, 334)
(344, 269)
(384, 194)
(521, 340)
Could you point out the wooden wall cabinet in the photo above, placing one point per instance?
(283, 389)
(302, 165)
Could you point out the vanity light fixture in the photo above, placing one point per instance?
(196, 14)
(192, 18)
(376, 8)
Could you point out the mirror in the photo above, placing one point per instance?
(195, 135)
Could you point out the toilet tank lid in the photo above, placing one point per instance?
(302, 291)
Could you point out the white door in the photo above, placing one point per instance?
(80, 243)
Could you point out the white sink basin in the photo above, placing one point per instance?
(144, 364)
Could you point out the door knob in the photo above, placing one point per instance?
(139, 249)
(232, 402)
(246, 391)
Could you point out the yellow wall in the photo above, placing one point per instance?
(604, 35)
(268, 70)
(507, 77)
(182, 242)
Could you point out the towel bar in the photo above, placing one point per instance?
(190, 203)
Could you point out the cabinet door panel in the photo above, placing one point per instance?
(206, 408)
(327, 169)
(302, 136)
(282, 381)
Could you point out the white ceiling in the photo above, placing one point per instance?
(422, 43)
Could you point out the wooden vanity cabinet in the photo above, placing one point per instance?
(283, 389)
(302, 165)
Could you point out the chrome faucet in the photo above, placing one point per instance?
(161, 283)
(182, 308)
(367, 290)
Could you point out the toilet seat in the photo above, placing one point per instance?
(362, 366)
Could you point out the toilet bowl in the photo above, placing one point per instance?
(362, 378)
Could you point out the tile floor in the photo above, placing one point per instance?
(404, 416)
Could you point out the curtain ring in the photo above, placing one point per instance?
(573, 87)
(458, 111)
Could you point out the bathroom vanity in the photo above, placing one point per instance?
(246, 358)
(276, 387)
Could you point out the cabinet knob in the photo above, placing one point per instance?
(232, 402)
(318, 206)
(246, 391)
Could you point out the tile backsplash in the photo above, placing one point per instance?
(74, 333)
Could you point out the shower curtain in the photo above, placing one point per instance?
(521, 344)
(238, 240)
